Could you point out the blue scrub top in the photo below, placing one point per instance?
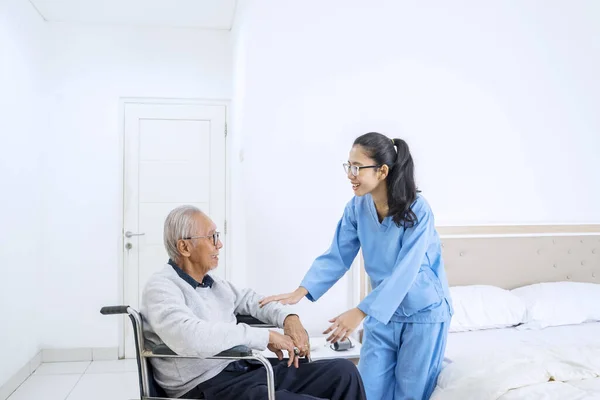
(405, 265)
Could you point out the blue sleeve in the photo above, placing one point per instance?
(335, 262)
(383, 302)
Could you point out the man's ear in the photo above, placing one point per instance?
(384, 170)
(183, 246)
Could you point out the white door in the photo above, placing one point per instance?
(174, 154)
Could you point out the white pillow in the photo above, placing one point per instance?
(559, 303)
(484, 307)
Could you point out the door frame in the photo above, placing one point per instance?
(123, 322)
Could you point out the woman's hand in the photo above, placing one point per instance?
(287, 298)
(344, 324)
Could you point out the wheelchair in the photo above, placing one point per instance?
(149, 389)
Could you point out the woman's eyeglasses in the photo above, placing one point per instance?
(355, 169)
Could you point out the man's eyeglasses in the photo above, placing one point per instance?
(355, 169)
(215, 236)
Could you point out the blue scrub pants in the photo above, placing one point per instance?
(401, 360)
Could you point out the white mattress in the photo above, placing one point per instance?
(480, 343)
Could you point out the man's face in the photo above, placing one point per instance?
(203, 251)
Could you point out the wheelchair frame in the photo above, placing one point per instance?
(149, 389)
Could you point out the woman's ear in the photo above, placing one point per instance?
(384, 170)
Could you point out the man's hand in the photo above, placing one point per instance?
(293, 328)
(279, 342)
(343, 325)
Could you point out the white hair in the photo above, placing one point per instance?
(180, 223)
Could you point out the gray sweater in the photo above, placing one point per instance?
(199, 320)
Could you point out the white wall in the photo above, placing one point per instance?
(237, 223)
(22, 118)
(499, 104)
(91, 68)
(491, 100)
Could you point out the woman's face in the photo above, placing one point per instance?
(368, 179)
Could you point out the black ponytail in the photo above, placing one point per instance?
(401, 187)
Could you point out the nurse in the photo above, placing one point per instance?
(407, 314)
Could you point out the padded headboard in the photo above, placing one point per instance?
(514, 256)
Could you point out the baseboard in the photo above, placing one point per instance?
(20, 376)
(105, 353)
(80, 354)
(56, 355)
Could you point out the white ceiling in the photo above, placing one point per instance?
(207, 14)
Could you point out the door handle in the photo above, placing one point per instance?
(129, 234)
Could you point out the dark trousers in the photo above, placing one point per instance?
(335, 379)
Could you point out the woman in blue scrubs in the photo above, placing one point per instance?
(407, 314)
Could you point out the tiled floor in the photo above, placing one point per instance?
(96, 380)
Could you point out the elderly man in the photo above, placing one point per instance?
(194, 314)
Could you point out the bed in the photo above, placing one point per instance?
(469, 344)
(561, 362)
(527, 313)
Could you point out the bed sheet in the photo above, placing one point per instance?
(474, 343)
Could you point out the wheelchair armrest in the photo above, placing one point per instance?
(163, 350)
(234, 352)
(108, 310)
(237, 351)
(250, 320)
